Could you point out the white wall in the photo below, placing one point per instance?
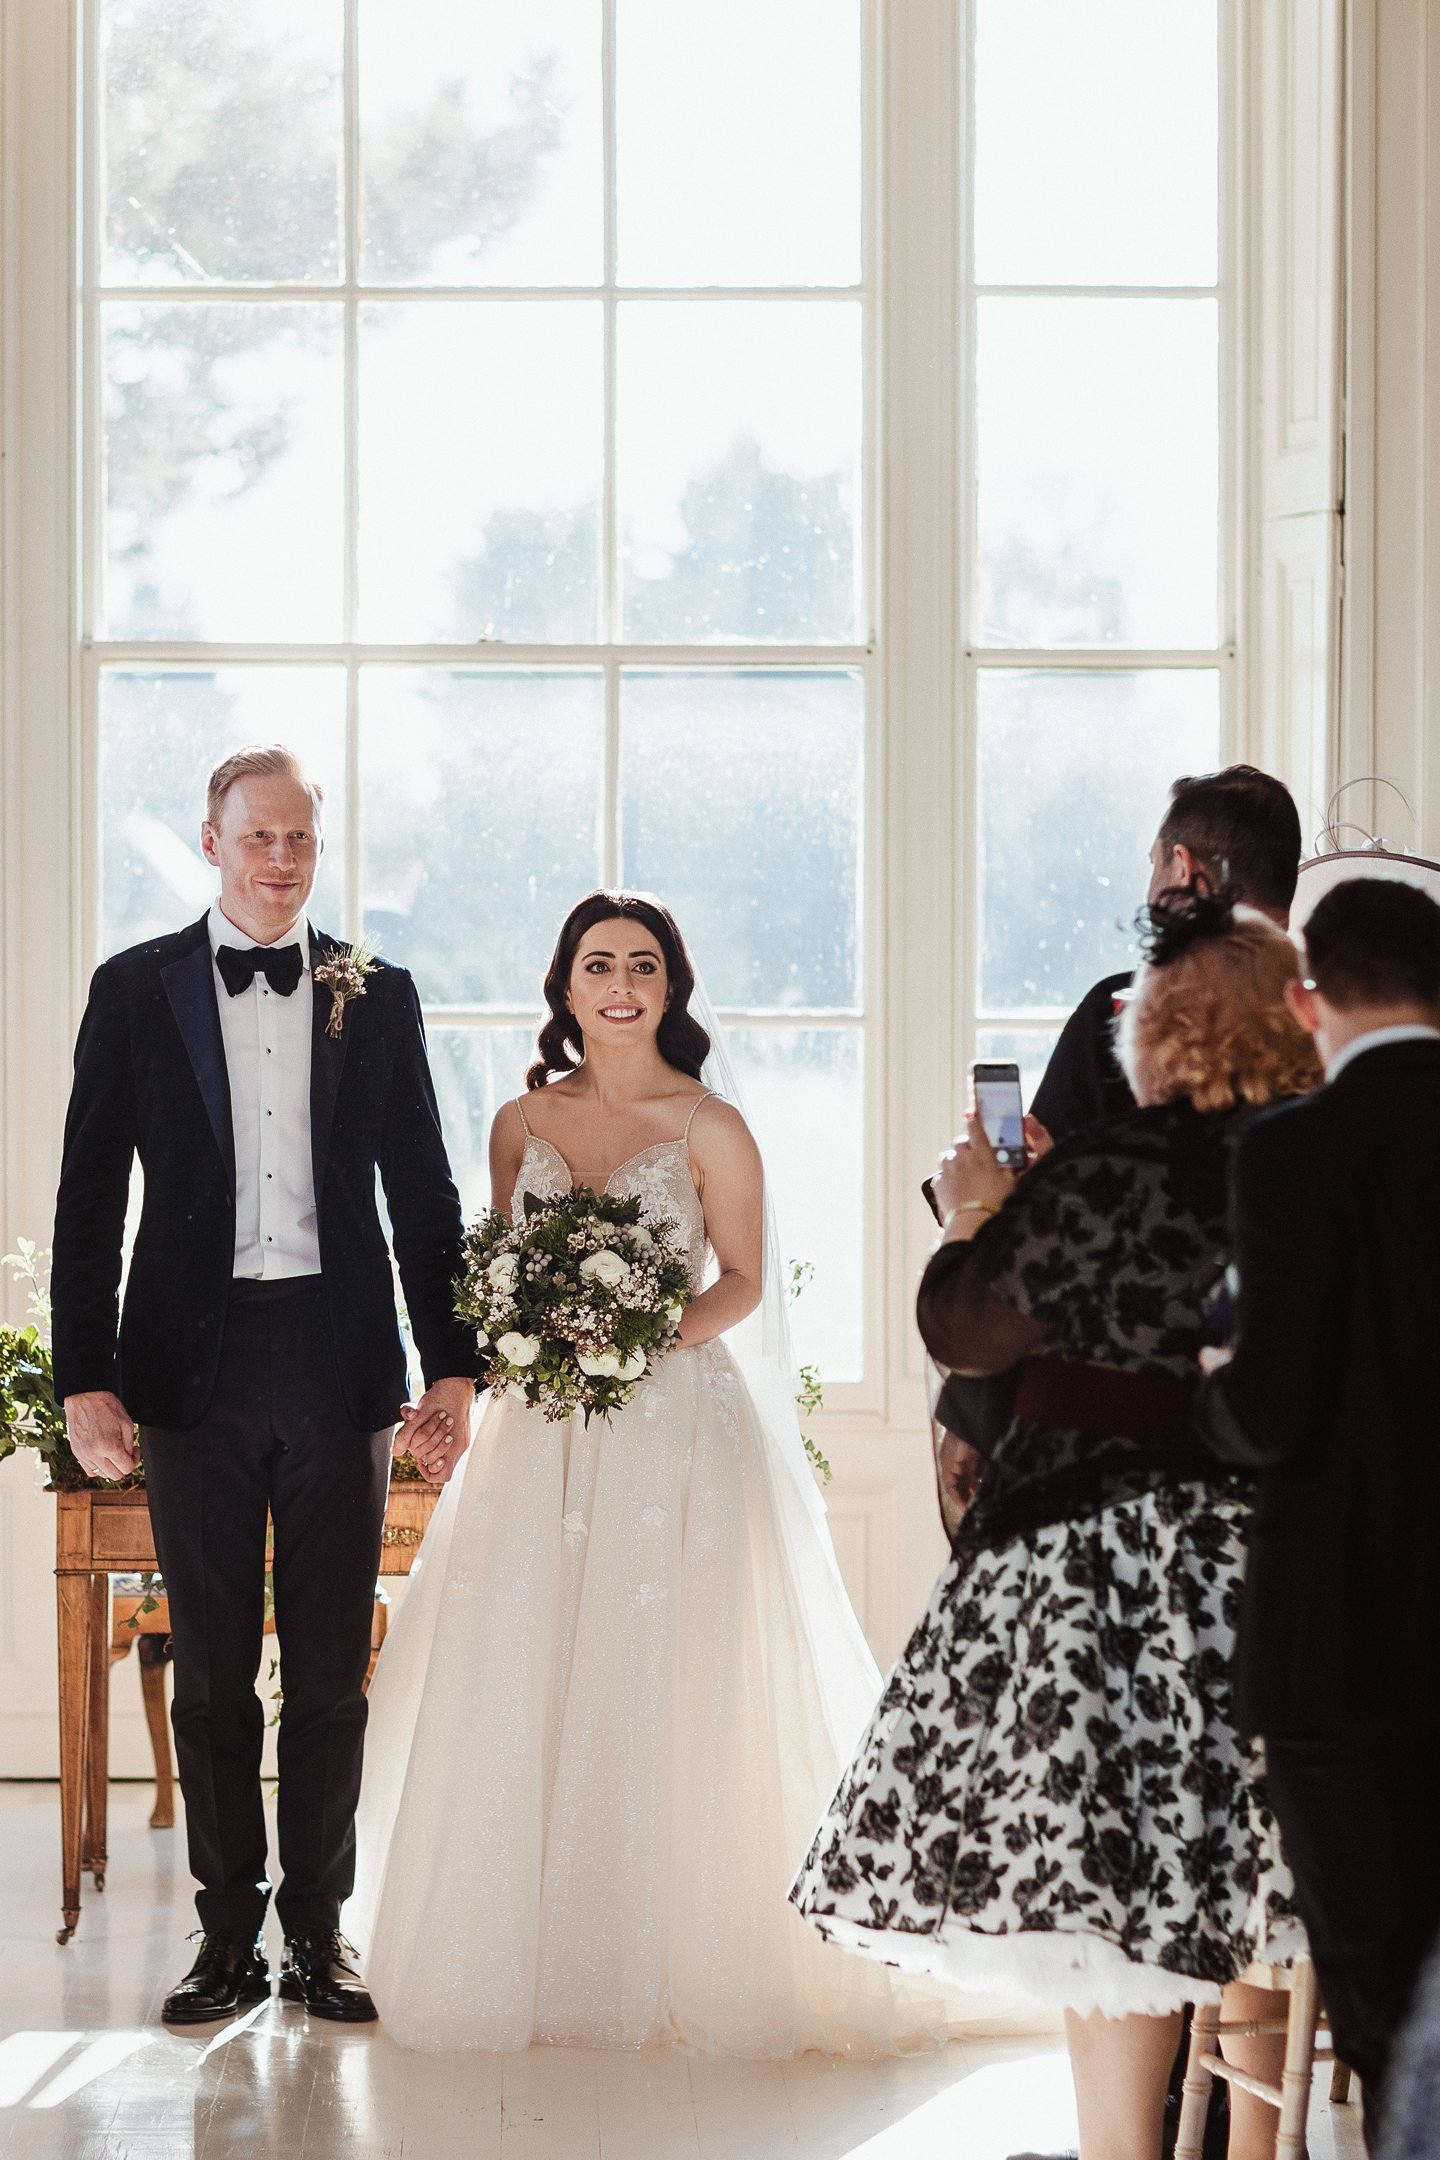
(1391, 650)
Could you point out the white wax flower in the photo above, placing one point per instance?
(604, 1365)
(605, 1267)
(517, 1349)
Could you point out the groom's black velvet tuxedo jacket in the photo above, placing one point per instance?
(150, 1079)
(1334, 1393)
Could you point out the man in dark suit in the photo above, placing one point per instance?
(1332, 1391)
(262, 1078)
(1238, 828)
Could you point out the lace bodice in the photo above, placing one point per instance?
(658, 1177)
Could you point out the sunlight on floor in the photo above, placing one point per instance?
(1023, 2105)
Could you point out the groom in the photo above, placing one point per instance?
(258, 1350)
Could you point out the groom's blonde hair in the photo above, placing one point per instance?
(270, 760)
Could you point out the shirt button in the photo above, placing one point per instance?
(269, 1174)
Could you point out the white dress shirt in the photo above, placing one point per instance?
(267, 1054)
(1378, 1039)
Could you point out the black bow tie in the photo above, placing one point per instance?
(281, 965)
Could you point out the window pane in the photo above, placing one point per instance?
(1029, 1048)
(162, 733)
(481, 141)
(481, 437)
(738, 142)
(739, 432)
(740, 805)
(1075, 773)
(223, 471)
(1099, 466)
(1096, 142)
(804, 1089)
(476, 1069)
(221, 132)
(480, 820)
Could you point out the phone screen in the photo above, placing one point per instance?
(1001, 1110)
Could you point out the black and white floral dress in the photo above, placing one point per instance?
(1051, 1796)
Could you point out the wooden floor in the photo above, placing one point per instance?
(86, 2072)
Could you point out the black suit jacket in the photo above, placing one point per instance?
(1083, 1083)
(1334, 1392)
(151, 1080)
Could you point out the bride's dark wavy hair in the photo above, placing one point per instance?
(560, 1045)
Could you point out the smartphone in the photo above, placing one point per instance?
(996, 1092)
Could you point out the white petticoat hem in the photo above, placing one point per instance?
(1064, 1969)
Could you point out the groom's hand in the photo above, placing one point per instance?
(436, 1430)
(102, 1434)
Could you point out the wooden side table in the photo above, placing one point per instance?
(97, 1535)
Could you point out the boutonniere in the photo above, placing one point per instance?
(343, 975)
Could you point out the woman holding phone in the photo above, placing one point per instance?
(1052, 1796)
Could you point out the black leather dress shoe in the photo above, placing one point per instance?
(316, 1971)
(230, 1974)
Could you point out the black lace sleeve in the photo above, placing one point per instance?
(1052, 1247)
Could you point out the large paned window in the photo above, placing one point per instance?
(1098, 617)
(474, 399)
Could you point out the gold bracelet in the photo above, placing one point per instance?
(975, 1207)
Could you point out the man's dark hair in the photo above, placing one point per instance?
(1243, 829)
(1374, 941)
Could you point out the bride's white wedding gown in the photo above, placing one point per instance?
(604, 1725)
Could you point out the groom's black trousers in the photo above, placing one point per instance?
(276, 1443)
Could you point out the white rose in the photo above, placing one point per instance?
(482, 1340)
(633, 1366)
(605, 1365)
(503, 1271)
(517, 1349)
(640, 1236)
(675, 1314)
(605, 1267)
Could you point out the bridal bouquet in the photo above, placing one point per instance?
(575, 1300)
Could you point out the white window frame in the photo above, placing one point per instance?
(1223, 658)
(609, 654)
(920, 976)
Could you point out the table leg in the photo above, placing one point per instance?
(73, 1614)
(152, 1687)
(97, 1751)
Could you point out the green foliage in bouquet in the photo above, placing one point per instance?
(575, 1300)
(29, 1414)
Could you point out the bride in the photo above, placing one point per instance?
(626, 1675)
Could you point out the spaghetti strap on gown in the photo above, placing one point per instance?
(605, 1722)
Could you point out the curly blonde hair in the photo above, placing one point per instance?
(1212, 1022)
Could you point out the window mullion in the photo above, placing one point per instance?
(351, 513)
(609, 535)
(351, 213)
(610, 784)
(90, 374)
